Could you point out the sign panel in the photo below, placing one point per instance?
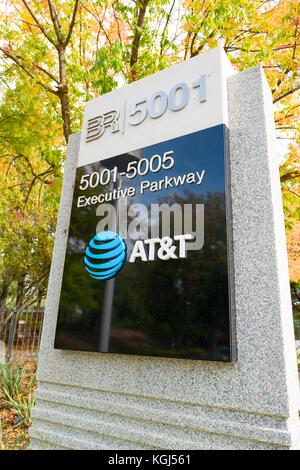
(146, 269)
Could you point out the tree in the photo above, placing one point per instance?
(253, 33)
(58, 54)
(47, 33)
(30, 180)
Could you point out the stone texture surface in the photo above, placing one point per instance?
(103, 401)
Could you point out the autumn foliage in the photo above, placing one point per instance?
(55, 55)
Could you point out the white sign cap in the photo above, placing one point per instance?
(185, 98)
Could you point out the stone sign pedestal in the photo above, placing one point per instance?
(107, 401)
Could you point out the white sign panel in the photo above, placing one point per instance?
(182, 99)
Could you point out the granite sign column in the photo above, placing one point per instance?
(87, 400)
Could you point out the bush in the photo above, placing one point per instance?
(22, 405)
(17, 385)
(11, 380)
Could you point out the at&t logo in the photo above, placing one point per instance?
(105, 255)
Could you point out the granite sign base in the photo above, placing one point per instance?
(104, 401)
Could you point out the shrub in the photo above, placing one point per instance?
(11, 380)
(17, 386)
(22, 405)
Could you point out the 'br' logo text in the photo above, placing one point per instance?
(153, 108)
(97, 125)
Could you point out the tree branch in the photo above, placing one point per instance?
(294, 193)
(166, 26)
(22, 66)
(290, 92)
(99, 21)
(292, 175)
(50, 75)
(288, 114)
(117, 22)
(39, 25)
(202, 44)
(75, 9)
(55, 21)
(141, 12)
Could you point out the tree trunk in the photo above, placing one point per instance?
(20, 293)
(14, 320)
(141, 12)
(63, 93)
(3, 298)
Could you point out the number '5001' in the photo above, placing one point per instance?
(158, 103)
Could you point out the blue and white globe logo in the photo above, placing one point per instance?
(105, 255)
